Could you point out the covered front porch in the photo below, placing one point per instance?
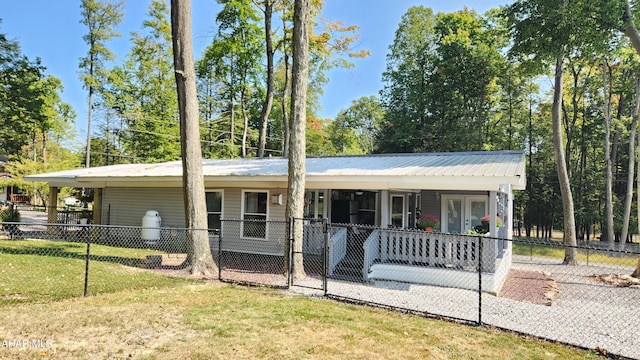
(365, 254)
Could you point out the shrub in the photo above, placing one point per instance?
(428, 221)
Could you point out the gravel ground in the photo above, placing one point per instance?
(585, 312)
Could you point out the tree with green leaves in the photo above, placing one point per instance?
(410, 65)
(233, 62)
(355, 129)
(439, 77)
(331, 45)
(20, 96)
(467, 64)
(545, 32)
(267, 7)
(100, 18)
(31, 109)
(143, 94)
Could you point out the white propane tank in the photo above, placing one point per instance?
(151, 226)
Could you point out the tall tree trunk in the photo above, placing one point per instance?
(632, 159)
(198, 250)
(245, 118)
(44, 149)
(268, 101)
(87, 163)
(570, 252)
(636, 272)
(630, 29)
(232, 127)
(297, 156)
(632, 33)
(285, 94)
(608, 206)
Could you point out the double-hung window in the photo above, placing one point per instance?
(214, 209)
(254, 214)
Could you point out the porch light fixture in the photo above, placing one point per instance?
(359, 192)
(276, 199)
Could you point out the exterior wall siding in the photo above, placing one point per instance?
(127, 206)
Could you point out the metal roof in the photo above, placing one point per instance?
(456, 170)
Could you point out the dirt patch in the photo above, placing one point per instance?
(534, 287)
(236, 269)
(618, 280)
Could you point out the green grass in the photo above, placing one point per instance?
(217, 321)
(40, 271)
(139, 314)
(596, 256)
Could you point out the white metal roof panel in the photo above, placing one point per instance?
(503, 167)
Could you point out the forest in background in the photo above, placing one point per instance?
(459, 81)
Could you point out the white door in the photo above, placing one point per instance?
(462, 213)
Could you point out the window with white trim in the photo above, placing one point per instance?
(214, 209)
(254, 214)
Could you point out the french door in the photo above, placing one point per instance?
(462, 213)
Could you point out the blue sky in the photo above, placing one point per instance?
(51, 30)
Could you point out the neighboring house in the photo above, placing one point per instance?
(4, 190)
(387, 191)
(10, 193)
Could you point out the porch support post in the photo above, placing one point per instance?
(97, 206)
(489, 248)
(384, 208)
(493, 211)
(509, 221)
(52, 208)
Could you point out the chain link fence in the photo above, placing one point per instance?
(41, 262)
(520, 285)
(253, 252)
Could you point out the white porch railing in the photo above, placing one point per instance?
(313, 239)
(337, 249)
(371, 251)
(428, 249)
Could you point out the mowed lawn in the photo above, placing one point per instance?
(141, 315)
(41, 271)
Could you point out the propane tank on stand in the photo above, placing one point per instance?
(151, 227)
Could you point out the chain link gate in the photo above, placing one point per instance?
(312, 253)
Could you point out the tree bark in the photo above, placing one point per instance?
(608, 206)
(198, 251)
(87, 163)
(630, 29)
(632, 33)
(632, 159)
(268, 101)
(245, 117)
(297, 156)
(569, 238)
(285, 93)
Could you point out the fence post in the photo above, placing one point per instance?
(325, 255)
(220, 255)
(480, 280)
(291, 228)
(86, 267)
